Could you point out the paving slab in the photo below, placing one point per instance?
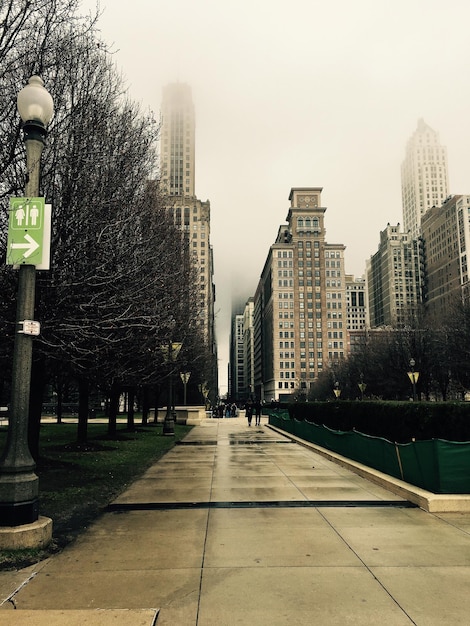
(400, 537)
(296, 595)
(138, 540)
(263, 538)
(431, 596)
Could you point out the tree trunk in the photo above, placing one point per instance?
(145, 406)
(60, 396)
(113, 410)
(83, 399)
(130, 408)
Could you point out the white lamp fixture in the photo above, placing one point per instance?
(35, 102)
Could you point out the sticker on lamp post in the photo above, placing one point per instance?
(30, 327)
(25, 231)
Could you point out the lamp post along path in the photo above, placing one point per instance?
(170, 354)
(185, 379)
(413, 376)
(18, 481)
(337, 390)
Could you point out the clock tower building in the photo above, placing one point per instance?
(301, 302)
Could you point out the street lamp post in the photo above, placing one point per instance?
(185, 379)
(18, 481)
(337, 390)
(413, 376)
(170, 354)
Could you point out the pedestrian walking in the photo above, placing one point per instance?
(249, 411)
(258, 413)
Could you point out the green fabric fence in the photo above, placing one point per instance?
(435, 465)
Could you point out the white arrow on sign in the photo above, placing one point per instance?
(30, 247)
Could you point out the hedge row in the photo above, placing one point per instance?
(401, 422)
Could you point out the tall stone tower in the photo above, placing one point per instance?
(424, 177)
(178, 140)
(192, 216)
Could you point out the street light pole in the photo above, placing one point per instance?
(18, 481)
(169, 423)
(337, 390)
(413, 376)
(170, 354)
(185, 379)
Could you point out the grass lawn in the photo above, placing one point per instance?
(76, 483)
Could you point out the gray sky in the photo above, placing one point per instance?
(299, 93)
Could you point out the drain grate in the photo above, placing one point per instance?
(247, 442)
(234, 442)
(270, 504)
(197, 443)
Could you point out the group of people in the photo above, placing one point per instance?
(227, 410)
(232, 410)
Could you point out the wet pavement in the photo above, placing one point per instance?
(241, 525)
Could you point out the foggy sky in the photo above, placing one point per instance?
(299, 93)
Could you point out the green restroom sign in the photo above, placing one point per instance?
(25, 231)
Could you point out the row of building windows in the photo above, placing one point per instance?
(329, 254)
(308, 222)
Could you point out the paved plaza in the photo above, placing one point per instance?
(241, 525)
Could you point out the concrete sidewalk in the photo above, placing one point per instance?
(242, 525)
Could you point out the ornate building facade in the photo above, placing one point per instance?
(300, 320)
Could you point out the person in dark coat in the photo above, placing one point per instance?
(258, 414)
(249, 411)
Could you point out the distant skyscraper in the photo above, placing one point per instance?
(248, 347)
(424, 177)
(394, 279)
(446, 246)
(237, 389)
(242, 354)
(192, 216)
(356, 302)
(178, 140)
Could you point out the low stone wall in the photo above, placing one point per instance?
(187, 415)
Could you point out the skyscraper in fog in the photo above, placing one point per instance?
(178, 140)
(424, 176)
(192, 216)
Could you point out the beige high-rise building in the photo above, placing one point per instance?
(424, 177)
(446, 251)
(356, 302)
(300, 303)
(192, 216)
(394, 278)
